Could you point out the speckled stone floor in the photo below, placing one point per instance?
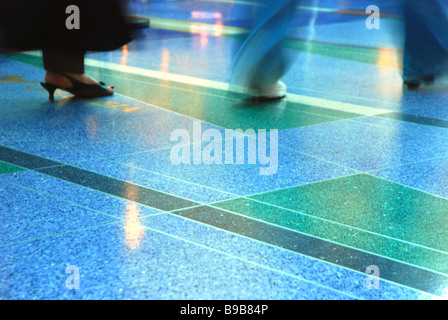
(93, 206)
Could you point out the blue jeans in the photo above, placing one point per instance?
(426, 44)
(260, 61)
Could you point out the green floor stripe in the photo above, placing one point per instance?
(9, 168)
(362, 212)
(222, 108)
(375, 56)
(385, 57)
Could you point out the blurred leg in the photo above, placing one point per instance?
(426, 45)
(260, 62)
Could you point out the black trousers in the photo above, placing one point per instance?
(61, 61)
(36, 25)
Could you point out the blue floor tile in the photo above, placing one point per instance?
(95, 185)
(363, 146)
(79, 195)
(27, 215)
(335, 277)
(116, 263)
(293, 168)
(92, 122)
(429, 176)
(191, 190)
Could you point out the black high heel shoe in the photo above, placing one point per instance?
(79, 89)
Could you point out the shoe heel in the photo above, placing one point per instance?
(51, 88)
(412, 85)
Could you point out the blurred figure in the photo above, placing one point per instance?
(426, 41)
(261, 61)
(42, 25)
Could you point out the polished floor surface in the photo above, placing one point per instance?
(355, 206)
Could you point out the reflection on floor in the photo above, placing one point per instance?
(146, 195)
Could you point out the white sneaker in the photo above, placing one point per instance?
(276, 91)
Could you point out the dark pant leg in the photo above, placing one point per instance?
(63, 61)
(426, 46)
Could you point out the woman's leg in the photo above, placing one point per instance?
(58, 63)
(63, 61)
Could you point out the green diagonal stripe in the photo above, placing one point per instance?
(363, 212)
(9, 168)
(216, 106)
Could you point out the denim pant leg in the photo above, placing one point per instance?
(260, 61)
(426, 45)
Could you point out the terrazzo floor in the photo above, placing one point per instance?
(101, 200)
